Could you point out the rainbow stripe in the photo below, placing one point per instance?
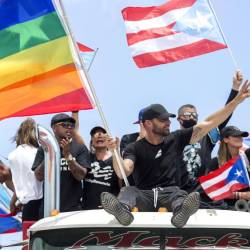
(37, 70)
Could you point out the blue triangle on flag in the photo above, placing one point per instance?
(199, 21)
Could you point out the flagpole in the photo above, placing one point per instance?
(92, 59)
(85, 78)
(223, 36)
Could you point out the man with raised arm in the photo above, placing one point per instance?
(196, 156)
(152, 161)
(75, 162)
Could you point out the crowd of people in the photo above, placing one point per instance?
(162, 167)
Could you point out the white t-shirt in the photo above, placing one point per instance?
(26, 185)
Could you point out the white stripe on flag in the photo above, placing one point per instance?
(157, 22)
(223, 189)
(163, 43)
(213, 181)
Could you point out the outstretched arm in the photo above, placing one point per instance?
(237, 81)
(76, 135)
(217, 118)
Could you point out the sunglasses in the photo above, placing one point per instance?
(189, 114)
(67, 125)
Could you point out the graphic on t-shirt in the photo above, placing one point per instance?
(65, 165)
(192, 160)
(99, 174)
(159, 153)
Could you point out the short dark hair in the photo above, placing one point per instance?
(185, 106)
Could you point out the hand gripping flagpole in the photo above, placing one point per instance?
(223, 35)
(85, 78)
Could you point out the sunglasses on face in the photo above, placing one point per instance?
(189, 114)
(66, 124)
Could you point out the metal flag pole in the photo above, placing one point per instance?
(223, 35)
(85, 78)
(93, 59)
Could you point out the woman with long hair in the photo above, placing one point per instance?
(230, 147)
(28, 190)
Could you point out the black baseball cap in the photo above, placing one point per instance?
(232, 131)
(61, 117)
(97, 129)
(156, 111)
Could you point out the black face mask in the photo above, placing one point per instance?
(188, 123)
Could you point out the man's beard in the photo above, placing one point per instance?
(160, 131)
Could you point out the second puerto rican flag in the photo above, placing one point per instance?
(176, 30)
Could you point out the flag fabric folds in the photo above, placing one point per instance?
(221, 183)
(174, 31)
(87, 54)
(7, 224)
(37, 70)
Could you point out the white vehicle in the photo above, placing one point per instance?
(96, 229)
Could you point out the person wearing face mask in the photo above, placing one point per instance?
(196, 156)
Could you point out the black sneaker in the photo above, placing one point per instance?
(113, 206)
(190, 206)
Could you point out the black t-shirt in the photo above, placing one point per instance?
(196, 156)
(70, 188)
(125, 141)
(100, 178)
(156, 165)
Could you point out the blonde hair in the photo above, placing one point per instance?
(26, 133)
(223, 153)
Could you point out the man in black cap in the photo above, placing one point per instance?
(74, 162)
(152, 161)
(195, 157)
(101, 177)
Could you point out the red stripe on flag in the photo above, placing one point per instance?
(215, 187)
(7, 215)
(238, 186)
(10, 231)
(228, 194)
(179, 53)
(220, 170)
(143, 13)
(150, 34)
(84, 48)
(75, 100)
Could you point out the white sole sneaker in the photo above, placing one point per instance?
(190, 206)
(113, 206)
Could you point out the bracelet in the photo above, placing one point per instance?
(237, 195)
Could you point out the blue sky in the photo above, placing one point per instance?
(123, 89)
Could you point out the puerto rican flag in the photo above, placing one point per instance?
(87, 54)
(174, 31)
(221, 183)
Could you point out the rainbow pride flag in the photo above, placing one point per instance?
(37, 70)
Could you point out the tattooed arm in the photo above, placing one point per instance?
(201, 129)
